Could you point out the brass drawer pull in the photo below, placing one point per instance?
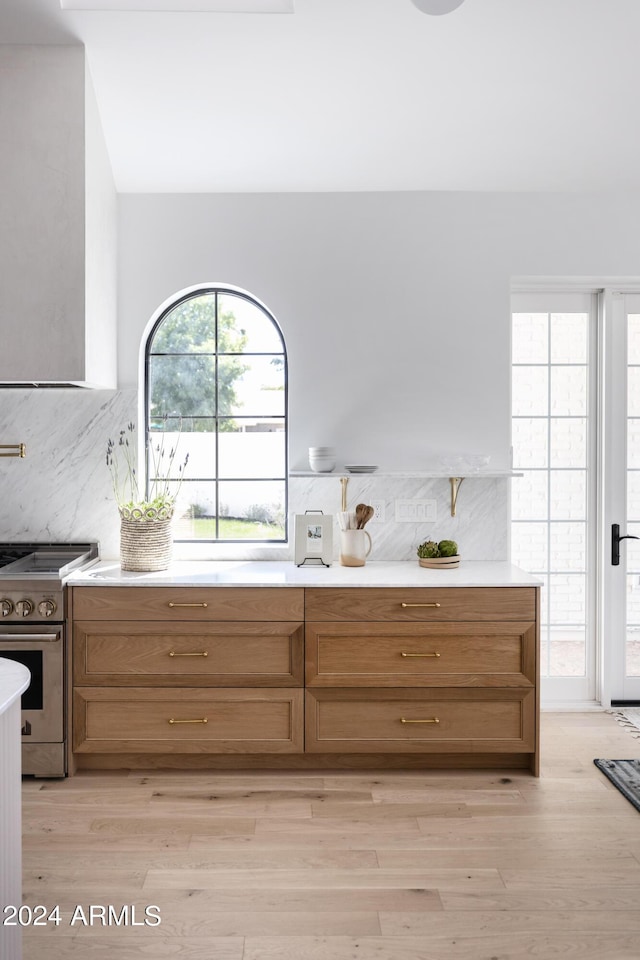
(419, 654)
(432, 720)
(172, 604)
(15, 449)
(204, 653)
(419, 604)
(203, 720)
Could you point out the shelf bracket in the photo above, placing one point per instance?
(455, 487)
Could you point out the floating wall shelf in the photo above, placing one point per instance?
(455, 482)
(405, 474)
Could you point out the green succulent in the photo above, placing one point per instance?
(448, 548)
(428, 550)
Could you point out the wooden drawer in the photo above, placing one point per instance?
(187, 603)
(188, 654)
(421, 604)
(421, 655)
(440, 721)
(134, 720)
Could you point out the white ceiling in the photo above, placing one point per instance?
(361, 94)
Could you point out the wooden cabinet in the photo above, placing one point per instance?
(187, 720)
(421, 604)
(139, 653)
(187, 671)
(310, 677)
(410, 721)
(491, 654)
(180, 604)
(449, 672)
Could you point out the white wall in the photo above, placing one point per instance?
(394, 307)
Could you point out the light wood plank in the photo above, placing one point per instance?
(334, 809)
(234, 780)
(170, 826)
(97, 946)
(513, 947)
(321, 878)
(235, 806)
(501, 856)
(460, 923)
(63, 844)
(190, 920)
(79, 863)
(582, 901)
(583, 875)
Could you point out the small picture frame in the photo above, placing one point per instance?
(313, 538)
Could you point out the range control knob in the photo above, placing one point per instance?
(24, 608)
(46, 608)
(6, 608)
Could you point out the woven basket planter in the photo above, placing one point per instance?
(145, 539)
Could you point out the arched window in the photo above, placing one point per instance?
(216, 386)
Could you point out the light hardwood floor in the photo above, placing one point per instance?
(341, 866)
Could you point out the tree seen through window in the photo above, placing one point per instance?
(216, 378)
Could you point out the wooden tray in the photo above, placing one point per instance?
(441, 563)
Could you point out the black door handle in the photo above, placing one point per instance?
(615, 543)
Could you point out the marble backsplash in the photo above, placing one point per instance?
(480, 526)
(62, 489)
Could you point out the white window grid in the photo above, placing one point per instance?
(548, 516)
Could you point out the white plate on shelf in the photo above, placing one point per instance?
(360, 467)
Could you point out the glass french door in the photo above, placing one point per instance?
(576, 441)
(555, 501)
(621, 580)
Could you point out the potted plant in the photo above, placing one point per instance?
(439, 555)
(145, 522)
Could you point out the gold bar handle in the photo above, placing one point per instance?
(403, 604)
(204, 653)
(17, 449)
(203, 720)
(419, 654)
(432, 720)
(172, 604)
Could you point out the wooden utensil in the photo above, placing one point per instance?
(361, 509)
(365, 516)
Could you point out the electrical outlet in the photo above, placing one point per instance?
(378, 511)
(416, 511)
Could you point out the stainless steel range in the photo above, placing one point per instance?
(32, 631)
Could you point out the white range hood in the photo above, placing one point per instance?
(57, 224)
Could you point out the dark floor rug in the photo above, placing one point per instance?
(625, 775)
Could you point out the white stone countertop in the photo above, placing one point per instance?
(14, 680)
(277, 573)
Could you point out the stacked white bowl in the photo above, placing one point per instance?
(322, 459)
